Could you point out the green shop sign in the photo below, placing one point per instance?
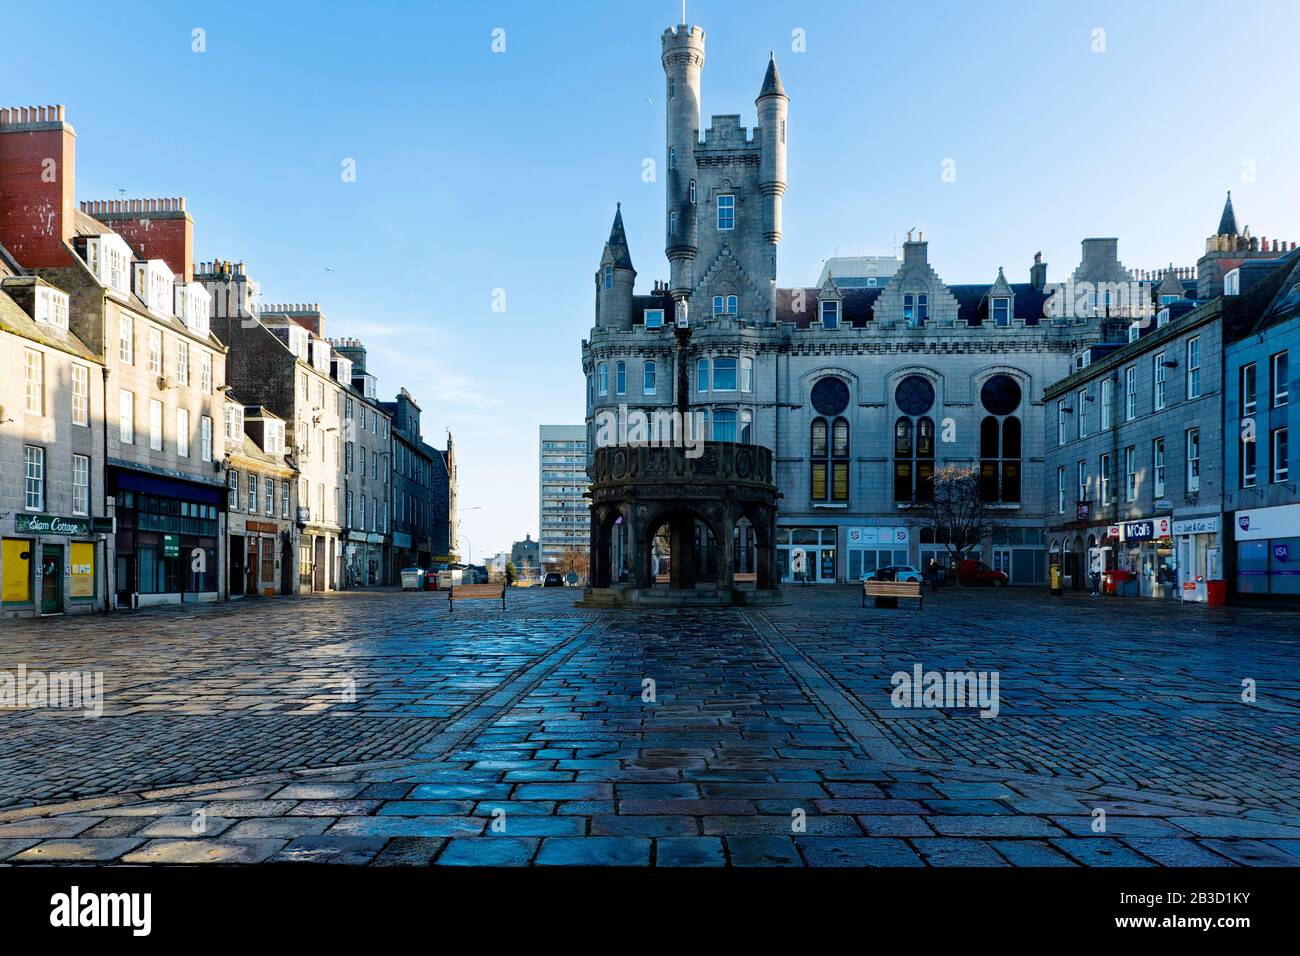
(59, 524)
(171, 546)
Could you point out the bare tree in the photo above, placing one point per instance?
(574, 560)
(958, 513)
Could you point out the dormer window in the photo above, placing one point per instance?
(1162, 318)
(725, 305)
(1000, 308)
(654, 318)
(51, 307)
(1134, 331)
(831, 314)
(1232, 283)
(726, 213)
(1169, 299)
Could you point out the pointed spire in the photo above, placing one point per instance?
(772, 80)
(1228, 221)
(616, 247)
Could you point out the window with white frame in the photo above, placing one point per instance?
(155, 425)
(1281, 457)
(1081, 479)
(1130, 474)
(746, 374)
(1060, 490)
(34, 382)
(205, 371)
(1107, 402)
(1158, 371)
(725, 304)
(348, 520)
(1104, 474)
(1247, 451)
(80, 485)
(747, 426)
(620, 378)
(182, 363)
(1232, 282)
(126, 417)
(1281, 388)
(1158, 468)
(80, 394)
(654, 318)
(1130, 393)
(284, 498)
(232, 490)
(726, 212)
(1194, 368)
(205, 438)
(183, 432)
(270, 497)
(33, 478)
(361, 512)
(1060, 422)
(155, 351)
(51, 307)
(234, 424)
(724, 424)
(125, 339)
(702, 375)
(1246, 383)
(274, 437)
(1081, 410)
(649, 370)
(1193, 460)
(602, 379)
(692, 192)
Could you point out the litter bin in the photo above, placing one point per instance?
(431, 580)
(411, 579)
(1216, 593)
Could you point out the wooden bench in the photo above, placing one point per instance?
(472, 592)
(890, 592)
(745, 577)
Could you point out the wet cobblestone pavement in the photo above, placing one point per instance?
(376, 729)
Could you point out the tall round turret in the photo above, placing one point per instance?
(615, 279)
(683, 61)
(773, 106)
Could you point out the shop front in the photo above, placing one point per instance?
(53, 564)
(871, 547)
(1145, 558)
(258, 550)
(363, 560)
(1199, 544)
(166, 541)
(807, 555)
(1268, 552)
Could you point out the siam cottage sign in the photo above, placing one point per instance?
(59, 524)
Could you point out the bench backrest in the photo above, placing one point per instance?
(891, 587)
(476, 590)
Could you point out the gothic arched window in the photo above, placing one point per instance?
(1000, 440)
(828, 454)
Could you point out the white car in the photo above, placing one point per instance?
(893, 572)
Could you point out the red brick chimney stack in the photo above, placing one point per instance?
(153, 228)
(37, 178)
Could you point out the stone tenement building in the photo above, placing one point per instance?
(863, 385)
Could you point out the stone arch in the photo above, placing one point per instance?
(681, 519)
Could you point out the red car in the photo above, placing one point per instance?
(977, 572)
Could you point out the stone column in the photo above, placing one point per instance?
(682, 537)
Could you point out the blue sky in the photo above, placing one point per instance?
(479, 171)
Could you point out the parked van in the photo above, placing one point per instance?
(977, 572)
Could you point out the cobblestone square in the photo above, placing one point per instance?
(377, 729)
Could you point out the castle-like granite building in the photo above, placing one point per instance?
(861, 385)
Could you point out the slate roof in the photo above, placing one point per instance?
(1273, 299)
(772, 80)
(13, 318)
(1228, 221)
(616, 245)
(655, 301)
(858, 304)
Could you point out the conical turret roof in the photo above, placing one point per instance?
(616, 249)
(1228, 221)
(772, 80)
